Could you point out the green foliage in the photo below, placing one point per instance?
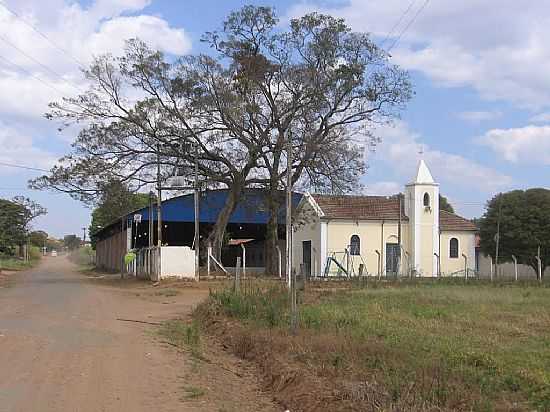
(473, 344)
(38, 238)
(72, 242)
(266, 307)
(445, 205)
(524, 226)
(116, 201)
(12, 226)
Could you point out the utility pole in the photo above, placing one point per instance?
(197, 233)
(159, 201)
(497, 240)
(83, 236)
(151, 229)
(289, 212)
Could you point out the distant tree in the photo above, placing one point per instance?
(445, 205)
(71, 242)
(116, 200)
(38, 238)
(12, 226)
(524, 226)
(31, 210)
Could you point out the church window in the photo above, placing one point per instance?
(426, 200)
(453, 247)
(355, 246)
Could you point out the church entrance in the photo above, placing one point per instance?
(392, 258)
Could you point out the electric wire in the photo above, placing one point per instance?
(37, 169)
(45, 67)
(408, 25)
(398, 22)
(56, 46)
(32, 75)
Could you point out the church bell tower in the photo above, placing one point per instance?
(422, 209)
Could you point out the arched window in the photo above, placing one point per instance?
(355, 246)
(453, 247)
(426, 200)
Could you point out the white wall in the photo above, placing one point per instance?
(178, 262)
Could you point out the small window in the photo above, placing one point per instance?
(426, 200)
(453, 247)
(355, 246)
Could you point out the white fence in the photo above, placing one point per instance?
(165, 262)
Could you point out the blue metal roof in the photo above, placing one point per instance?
(252, 208)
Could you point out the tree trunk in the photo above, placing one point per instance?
(218, 231)
(272, 233)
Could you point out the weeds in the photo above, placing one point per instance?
(182, 335)
(441, 344)
(192, 392)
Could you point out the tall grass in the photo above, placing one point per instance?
(455, 346)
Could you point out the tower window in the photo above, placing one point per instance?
(426, 200)
(453, 248)
(355, 246)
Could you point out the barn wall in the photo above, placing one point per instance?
(110, 252)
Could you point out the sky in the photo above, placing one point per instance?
(480, 115)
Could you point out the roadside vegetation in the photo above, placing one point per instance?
(83, 256)
(402, 346)
(14, 263)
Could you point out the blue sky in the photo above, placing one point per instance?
(481, 113)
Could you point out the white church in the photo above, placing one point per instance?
(403, 235)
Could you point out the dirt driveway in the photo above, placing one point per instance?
(63, 349)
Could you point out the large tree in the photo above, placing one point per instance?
(524, 217)
(12, 226)
(444, 204)
(317, 86)
(115, 201)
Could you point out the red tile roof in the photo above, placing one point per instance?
(450, 221)
(380, 208)
(360, 207)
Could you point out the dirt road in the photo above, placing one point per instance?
(63, 349)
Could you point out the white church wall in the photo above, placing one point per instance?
(466, 245)
(372, 234)
(308, 228)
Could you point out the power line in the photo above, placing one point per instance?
(39, 63)
(408, 25)
(23, 167)
(397, 23)
(32, 75)
(82, 65)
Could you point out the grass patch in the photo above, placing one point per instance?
(192, 392)
(16, 264)
(422, 345)
(167, 292)
(182, 335)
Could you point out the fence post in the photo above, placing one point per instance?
(208, 259)
(491, 262)
(244, 260)
(465, 266)
(379, 261)
(515, 267)
(280, 262)
(293, 304)
(237, 275)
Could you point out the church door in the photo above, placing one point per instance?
(392, 258)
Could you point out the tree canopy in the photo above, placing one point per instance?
(316, 87)
(116, 200)
(16, 216)
(445, 205)
(524, 226)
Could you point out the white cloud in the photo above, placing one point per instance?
(530, 144)
(383, 188)
(33, 72)
(498, 47)
(18, 148)
(399, 151)
(541, 118)
(480, 116)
